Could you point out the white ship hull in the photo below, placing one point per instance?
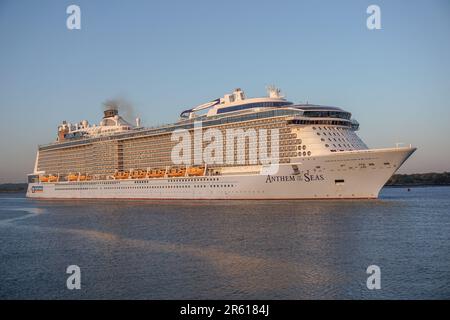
(352, 174)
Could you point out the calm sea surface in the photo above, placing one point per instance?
(228, 249)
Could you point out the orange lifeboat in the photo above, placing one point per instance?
(196, 171)
(88, 177)
(156, 173)
(43, 178)
(121, 175)
(52, 178)
(139, 174)
(72, 177)
(177, 172)
(82, 177)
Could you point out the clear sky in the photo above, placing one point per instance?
(166, 56)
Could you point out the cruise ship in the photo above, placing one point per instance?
(234, 148)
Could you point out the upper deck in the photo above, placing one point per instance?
(232, 108)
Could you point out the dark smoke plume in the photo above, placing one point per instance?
(125, 108)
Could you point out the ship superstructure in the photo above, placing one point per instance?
(319, 155)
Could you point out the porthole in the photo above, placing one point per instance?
(309, 153)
